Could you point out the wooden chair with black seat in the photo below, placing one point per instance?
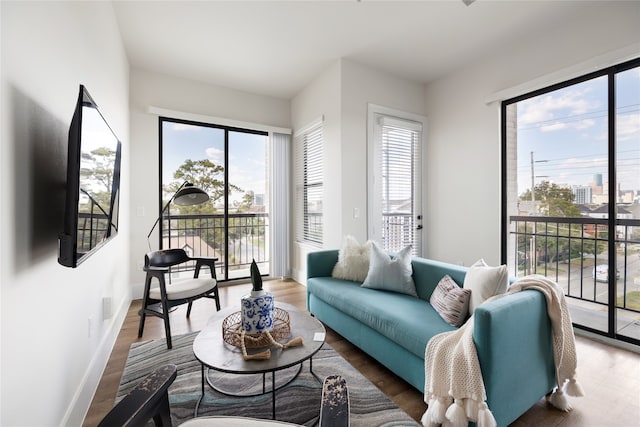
(149, 399)
(158, 300)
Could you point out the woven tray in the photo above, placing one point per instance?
(232, 328)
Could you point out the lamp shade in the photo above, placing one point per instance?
(190, 195)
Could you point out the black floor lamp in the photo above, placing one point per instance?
(187, 195)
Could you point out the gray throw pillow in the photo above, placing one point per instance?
(390, 274)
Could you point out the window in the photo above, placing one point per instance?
(571, 191)
(230, 165)
(395, 218)
(309, 184)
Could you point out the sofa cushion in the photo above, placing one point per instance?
(484, 282)
(451, 301)
(185, 288)
(390, 274)
(408, 321)
(353, 260)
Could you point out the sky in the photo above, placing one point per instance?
(95, 134)
(567, 132)
(247, 153)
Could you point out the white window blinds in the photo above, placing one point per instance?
(396, 190)
(309, 184)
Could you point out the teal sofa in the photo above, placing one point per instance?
(512, 334)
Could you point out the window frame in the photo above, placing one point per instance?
(162, 119)
(612, 217)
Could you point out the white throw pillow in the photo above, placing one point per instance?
(451, 301)
(353, 260)
(389, 274)
(484, 282)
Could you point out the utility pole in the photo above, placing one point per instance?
(534, 254)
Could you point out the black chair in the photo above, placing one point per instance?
(334, 406)
(167, 295)
(149, 399)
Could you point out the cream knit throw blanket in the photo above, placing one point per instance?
(454, 388)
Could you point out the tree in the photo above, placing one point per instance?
(203, 174)
(96, 175)
(554, 200)
(209, 177)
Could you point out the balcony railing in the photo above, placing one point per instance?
(243, 239)
(574, 252)
(92, 229)
(398, 229)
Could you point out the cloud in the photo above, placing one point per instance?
(627, 127)
(576, 125)
(215, 155)
(559, 110)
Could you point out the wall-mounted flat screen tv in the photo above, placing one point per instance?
(93, 183)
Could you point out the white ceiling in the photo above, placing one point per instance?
(276, 48)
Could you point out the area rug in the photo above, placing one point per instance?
(298, 402)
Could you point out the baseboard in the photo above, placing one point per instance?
(606, 340)
(77, 410)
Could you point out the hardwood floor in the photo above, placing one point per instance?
(609, 376)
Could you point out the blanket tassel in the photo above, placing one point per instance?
(456, 415)
(437, 410)
(559, 400)
(485, 417)
(426, 422)
(573, 388)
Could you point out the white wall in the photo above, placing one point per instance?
(321, 98)
(462, 182)
(341, 94)
(362, 86)
(54, 340)
(190, 100)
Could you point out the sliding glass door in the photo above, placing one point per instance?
(571, 194)
(230, 164)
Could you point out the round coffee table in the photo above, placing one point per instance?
(214, 353)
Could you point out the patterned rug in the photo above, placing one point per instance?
(298, 402)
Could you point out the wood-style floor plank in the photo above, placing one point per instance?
(609, 375)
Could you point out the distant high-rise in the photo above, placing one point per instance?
(597, 179)
(596, 184)
(582, 195)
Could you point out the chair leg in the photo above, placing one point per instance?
(189, 308)
(145, 298)
(216, 296)
(141, 324)
(167, 327)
